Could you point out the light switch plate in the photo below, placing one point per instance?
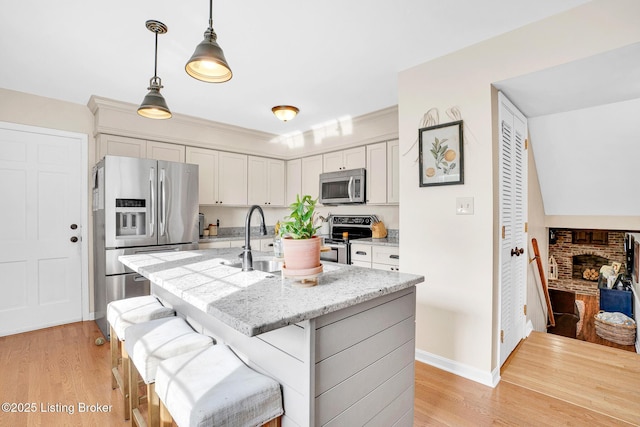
(464, 206)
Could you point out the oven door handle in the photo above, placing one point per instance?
(335, 245)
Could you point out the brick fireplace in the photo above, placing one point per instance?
(578, 250)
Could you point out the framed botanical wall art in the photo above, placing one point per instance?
(440, 154)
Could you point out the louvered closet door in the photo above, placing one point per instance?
(513, 217)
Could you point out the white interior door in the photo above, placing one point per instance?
(513, 218)
(41, 227)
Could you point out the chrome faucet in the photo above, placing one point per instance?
(247, 259)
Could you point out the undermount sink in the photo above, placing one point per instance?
(266, 265)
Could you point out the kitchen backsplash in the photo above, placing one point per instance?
(234, 217)
(255, 231)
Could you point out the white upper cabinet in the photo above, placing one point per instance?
(266, 181)
(163, 151)
(294, 180)
(223, 176)
(311, 170)
(232, 178)
(277, 180)
(393, 171)
(133, 147)
(355, 158)
(332, 161)
(120, 146)
(377, 173)
(352, 158)
(207, 161)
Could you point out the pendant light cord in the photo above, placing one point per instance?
(155, 61)
(211, 14)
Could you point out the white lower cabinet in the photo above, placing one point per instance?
(374, 256)
(361, 255)
(266, 245)
(385, 258)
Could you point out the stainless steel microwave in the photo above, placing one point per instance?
(343, 187)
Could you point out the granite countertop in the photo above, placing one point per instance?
(255, 302)
(387, 241)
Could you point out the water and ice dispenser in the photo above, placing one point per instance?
(131, 217)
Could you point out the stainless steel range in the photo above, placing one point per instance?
(343, 229)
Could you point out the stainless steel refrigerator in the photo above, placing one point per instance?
(139, 206)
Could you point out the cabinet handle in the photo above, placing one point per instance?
(361, 253)
(394, 256)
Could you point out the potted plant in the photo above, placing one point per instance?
(301, 245)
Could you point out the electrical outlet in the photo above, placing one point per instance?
(464, 206)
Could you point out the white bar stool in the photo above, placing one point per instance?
(121, 314)
(150, 343)
(213, 387)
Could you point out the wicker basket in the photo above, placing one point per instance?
(621, 331)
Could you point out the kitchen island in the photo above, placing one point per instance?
(343, 350)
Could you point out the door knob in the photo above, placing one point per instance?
(74, 226)
(73, 239)
(517, 251)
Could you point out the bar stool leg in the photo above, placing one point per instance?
(126, 389)
(131, 407)
(114, 344)
(153, 405)
(166, 420)
(276, 422)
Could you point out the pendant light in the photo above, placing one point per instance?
(208, 63)
(285, 112)
(153, 105)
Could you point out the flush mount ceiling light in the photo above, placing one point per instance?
(208, 63)
(153, 105)
(285, 112)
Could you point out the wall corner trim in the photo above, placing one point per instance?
(490, 379)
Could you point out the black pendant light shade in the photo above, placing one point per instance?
(208, 63)
(153, 105)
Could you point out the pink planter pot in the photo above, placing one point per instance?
(301, 254)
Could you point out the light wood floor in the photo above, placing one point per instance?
(61, 368)
(588, 333)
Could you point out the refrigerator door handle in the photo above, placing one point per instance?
(163, 203)
(152, 221)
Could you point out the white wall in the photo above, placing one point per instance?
(587, 159)
(456, 322)
(536, 302)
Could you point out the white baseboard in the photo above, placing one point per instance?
(529, 328)
(89, 316)
(490, 379)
